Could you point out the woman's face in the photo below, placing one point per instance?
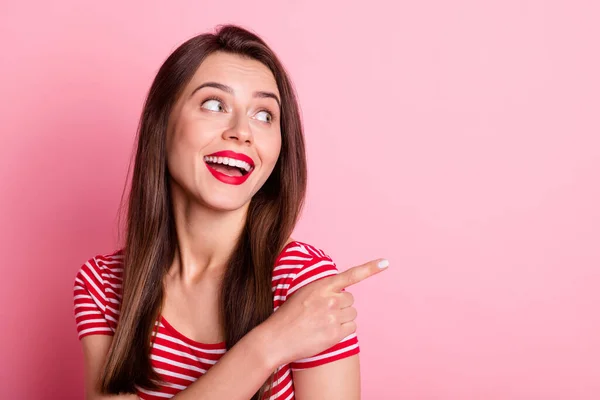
(224, 134)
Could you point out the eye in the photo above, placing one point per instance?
(213, 105)
(264, 116)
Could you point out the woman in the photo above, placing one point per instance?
(208, 269)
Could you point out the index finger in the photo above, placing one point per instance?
(358, 274)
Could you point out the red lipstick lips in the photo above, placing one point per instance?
(231, 180)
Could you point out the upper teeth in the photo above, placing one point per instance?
(228, 161)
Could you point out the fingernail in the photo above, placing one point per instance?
(383, 264)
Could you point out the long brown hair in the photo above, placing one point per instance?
(150, 237)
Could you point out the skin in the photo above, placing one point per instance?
(209, 217)
(209, 214)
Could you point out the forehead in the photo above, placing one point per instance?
(243, 74)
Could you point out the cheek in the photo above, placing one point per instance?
(270, 150)
(190, 136)
(184, 148)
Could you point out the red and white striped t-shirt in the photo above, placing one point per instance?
(179, 360)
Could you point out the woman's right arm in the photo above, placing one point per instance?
(249, 363)
(314, 319)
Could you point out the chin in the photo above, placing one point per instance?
(223, 203)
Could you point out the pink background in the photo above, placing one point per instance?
(459, 139)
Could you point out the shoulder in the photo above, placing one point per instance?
(299, 264)
(97, 294)
(102, 268)
(101, 278)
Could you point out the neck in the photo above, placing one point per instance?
(206, 238)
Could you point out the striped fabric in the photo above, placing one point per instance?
(178, 360)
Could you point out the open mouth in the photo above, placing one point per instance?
(228, 166)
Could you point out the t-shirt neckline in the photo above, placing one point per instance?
(212, 346)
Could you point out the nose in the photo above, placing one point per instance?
(239, 130)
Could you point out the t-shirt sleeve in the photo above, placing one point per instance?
(90, 301)
(318, 266)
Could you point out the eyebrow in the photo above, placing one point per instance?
(228, 89)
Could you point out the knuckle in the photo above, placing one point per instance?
(331, 319)
(333, 303)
